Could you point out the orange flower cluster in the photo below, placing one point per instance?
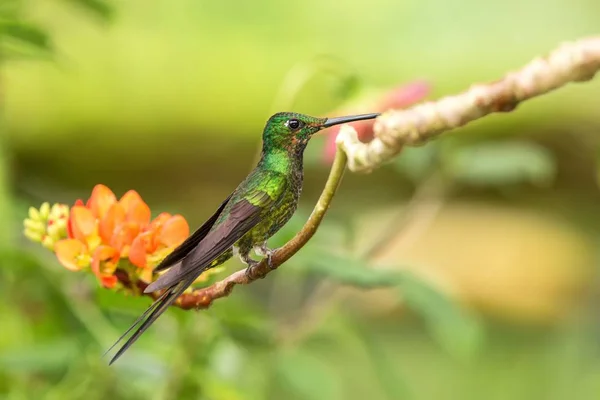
(105, 234)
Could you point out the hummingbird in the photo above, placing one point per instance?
(260, 206)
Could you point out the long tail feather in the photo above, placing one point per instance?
(137, 321)
(161, 306)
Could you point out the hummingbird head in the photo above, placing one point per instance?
(292, 131)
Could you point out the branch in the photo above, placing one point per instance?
(203, 298)
(572, 62)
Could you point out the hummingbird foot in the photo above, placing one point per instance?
(251, 263)
(263, 251)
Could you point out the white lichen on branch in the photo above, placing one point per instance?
(571, 62)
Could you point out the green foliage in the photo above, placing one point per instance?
(25, 33)
(392, 381)
(487, 164)
(349, 270)
(501, 163)
(6, 208)
(48, 357)
(418, 162)
(20, 37)
(305, 374)
(102, 8)
(458, 331)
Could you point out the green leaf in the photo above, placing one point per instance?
(391, 380)
(501, 164)
(306, 375)
(6, 207)
(417, 162)
(346, 270)
(9, 9)
(101, 8)
(457, 331)
(44, 357)
(25, 33)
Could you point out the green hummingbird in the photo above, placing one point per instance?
(261, 205)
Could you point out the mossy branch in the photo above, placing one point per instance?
(571, 62)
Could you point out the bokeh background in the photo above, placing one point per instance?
(467, 269)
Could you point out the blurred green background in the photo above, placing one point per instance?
(467, 269)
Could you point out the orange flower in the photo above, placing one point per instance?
(104, 232)
(164, 234)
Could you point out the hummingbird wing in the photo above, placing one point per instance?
(247, 211)
(188, 245)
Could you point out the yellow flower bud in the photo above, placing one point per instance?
(61, 225)
(34, 214)
(34, 236)
(35, 226)
(54, 231)
(59, 211)
(45, 211)
(48, 243)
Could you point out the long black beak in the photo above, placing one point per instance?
(342, 120)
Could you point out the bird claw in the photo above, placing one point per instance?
(250, 270)
(264, 251)
(269, 255)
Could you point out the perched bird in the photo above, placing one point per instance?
(255, 211)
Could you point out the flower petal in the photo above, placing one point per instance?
(146, 274)
(159, 221)
(101, 200)
(82, 223)
(174, 231)
(123, 236)
(108, 281)
(138, 254)
(70, 252)
(115, 216)
(135, 208)
(139, 214)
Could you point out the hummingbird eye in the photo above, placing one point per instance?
(294, 124)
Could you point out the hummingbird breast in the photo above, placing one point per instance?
(275, 218)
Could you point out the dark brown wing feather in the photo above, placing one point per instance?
(188, 245)
(242, 217)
